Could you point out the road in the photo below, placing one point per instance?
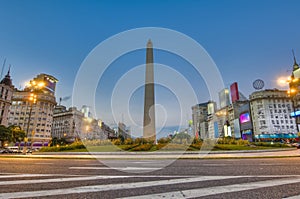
(184, 178)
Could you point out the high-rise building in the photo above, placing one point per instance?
(200, 113)
(270, 112)
(224, 98)
(149, 99)
(32, 108)
(6, 92)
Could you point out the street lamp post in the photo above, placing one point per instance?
(32, 87)
(32, 100)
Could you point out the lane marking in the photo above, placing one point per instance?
(293, 197)
(115, 168)
(14, 182)
(43, 163)
(193, 193)
(213, 165)
(270, 164)
(94, 164)
(109, 187)
(24, 175)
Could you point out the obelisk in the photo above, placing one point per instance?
(149, 98)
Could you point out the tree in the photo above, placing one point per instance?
(17, 134)
(54, 141)
(5, 135)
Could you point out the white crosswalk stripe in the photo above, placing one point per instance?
(152, 181)
(192, 193)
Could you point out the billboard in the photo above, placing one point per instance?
(49, 84)
(295, 114)
(237, 129)
(234, 92)
(216, 129)
(245, 117)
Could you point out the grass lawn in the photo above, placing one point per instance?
(105, 148)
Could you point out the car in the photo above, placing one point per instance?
(2, 151)
(35, 149)
(296, 145)
(29, 151)
(14, 149)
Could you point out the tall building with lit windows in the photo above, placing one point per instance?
(270, 112)
(6, 92)
(35, 117)
(200, 114)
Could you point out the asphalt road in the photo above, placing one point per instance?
(201, 178)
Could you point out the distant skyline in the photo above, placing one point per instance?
(247, 40)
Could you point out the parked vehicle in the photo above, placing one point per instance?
(5, 150)
(296, 145)
(14, 149)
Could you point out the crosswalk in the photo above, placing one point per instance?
(16, 185)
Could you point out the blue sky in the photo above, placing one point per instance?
(246, 39)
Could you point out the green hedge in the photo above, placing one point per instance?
(269, 144)
(143, 147)
(63, 148)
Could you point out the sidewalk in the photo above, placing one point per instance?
(293, 152)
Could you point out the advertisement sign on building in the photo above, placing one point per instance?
(237, 129)
(216, 129)
(234, 91)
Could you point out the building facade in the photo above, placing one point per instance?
(270, 112)
(6, 92)
(94, 129)
(67, 123)
(32, 108)
(234, 111)
(123, 130)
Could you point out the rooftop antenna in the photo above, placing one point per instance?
(61, 99)
(4, 62)
(8, 73)
(295, 62)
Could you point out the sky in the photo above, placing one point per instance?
(247, 40)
